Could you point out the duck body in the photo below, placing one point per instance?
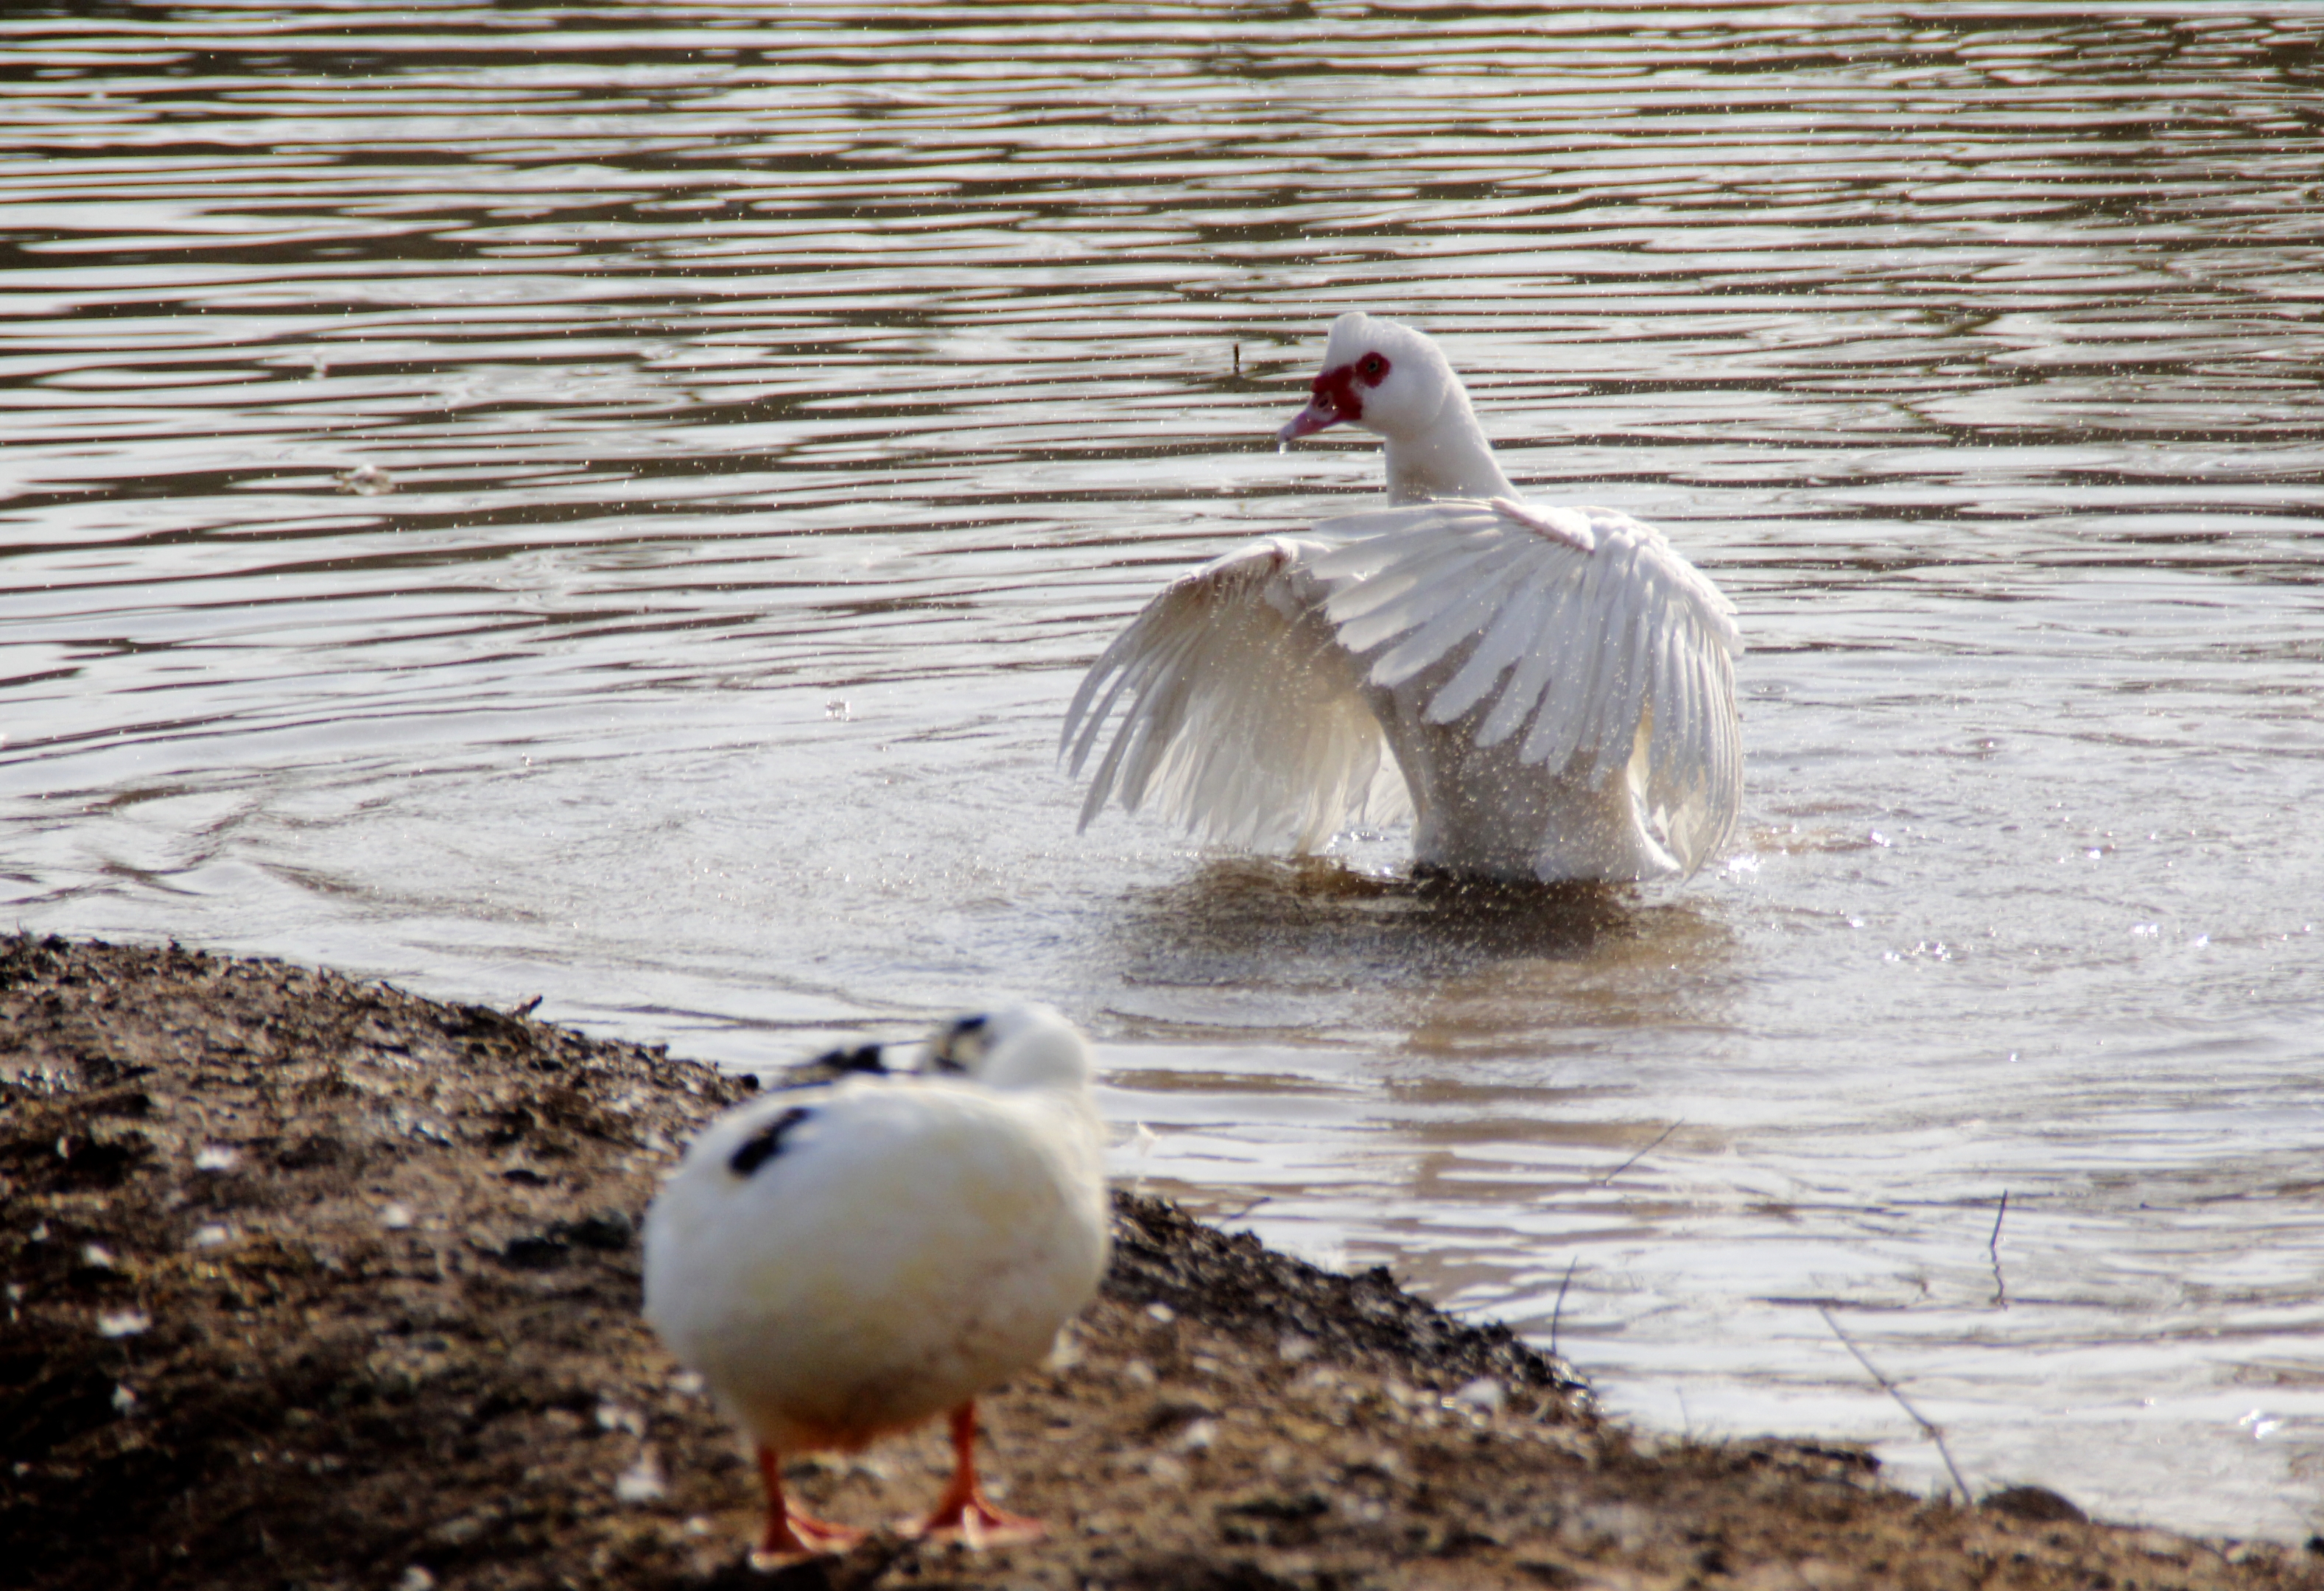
(1482, 811)
(846, 1262)
(916, 1242)
(1547, 691)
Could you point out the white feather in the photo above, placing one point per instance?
(1514, 629)
(843, 1262)
(1558, 681)
(1246, 722)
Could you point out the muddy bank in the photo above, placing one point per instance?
(313, 1282)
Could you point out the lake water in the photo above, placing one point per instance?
(778, 406)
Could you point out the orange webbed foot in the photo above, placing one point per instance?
(979, 1524)
(798, 1538)
(793, 1537)
(964, 1510)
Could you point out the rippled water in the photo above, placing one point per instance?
(779, 405)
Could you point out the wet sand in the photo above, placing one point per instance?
(315, 1282)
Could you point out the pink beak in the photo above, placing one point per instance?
(1307, 422)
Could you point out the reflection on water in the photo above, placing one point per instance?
(1216, 926)
(1439, 966)
(779, 406)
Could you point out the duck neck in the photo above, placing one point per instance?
(1449, 458)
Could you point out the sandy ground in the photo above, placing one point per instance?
(313, 1282)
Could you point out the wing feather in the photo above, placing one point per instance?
(1564, 714)
(1616, 732)
(1578, 633)
(1473, 596)
(1514, 708)
(1674, 724)
(1245, 719)
(1684, 690)
(1390, 603)
(1515, 629)
(1580, 630)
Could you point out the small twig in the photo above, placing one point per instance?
(1992, 1248)
(1641, 1155)
(1557, 1311)
(1935, 1434)
(1247, 1209)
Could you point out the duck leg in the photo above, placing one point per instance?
(964, 1507)
(791, 1535)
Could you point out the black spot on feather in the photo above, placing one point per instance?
(765, 1143)
(941, 1056)
(862, 1058)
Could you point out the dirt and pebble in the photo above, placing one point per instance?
(312, 1282)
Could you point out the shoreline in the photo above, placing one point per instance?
(315, 1282)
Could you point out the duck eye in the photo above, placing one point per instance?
(1372, 367)
(942, 1053)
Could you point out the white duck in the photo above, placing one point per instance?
(844, 1262)
(1554, 688)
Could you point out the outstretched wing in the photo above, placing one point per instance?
(1246, 718)
(1580, 630)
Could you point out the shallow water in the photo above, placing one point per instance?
(779, 406)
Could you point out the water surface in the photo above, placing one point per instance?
(780, 406)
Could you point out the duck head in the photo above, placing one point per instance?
(1020, 1047)
(1392, 380)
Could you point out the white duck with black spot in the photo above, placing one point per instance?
(844, 1262)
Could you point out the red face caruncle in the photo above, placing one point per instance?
(1337, 395)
